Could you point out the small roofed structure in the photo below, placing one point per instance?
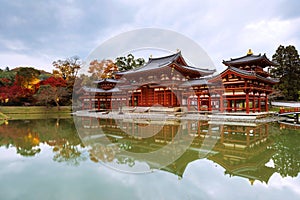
(246, 85)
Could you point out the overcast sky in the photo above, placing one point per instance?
(35, 32)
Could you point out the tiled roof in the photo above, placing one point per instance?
(110, 80)
(194, 82)
(250, 59)
(251, 74)
(156, 63)
(98, 90)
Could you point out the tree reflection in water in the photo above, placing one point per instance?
(27, 136)
(287, 153)
(242, 150)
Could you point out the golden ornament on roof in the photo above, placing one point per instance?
(250, 52)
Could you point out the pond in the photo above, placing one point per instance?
(145, 159)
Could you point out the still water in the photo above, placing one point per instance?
(128, 159)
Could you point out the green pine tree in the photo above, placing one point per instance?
(287, 71)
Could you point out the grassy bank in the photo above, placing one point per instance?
(3, 116)
(34, 112)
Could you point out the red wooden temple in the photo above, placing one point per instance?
(170, 82)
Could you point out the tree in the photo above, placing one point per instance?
(52, 89)
(67, 69)
(127, 63)
(288, 71)
(27, 77)
(14, 94)
(102, 69)
(7, 77)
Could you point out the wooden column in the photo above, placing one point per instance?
(247, 102)
(141, 95)
(235, 105)
(198, 102)
(90, 104)
(266, 103)
(172, 98)
(253, 103)
(188, 103)
(165, 103)
(98, 104)
(209, 102)
(132, 99)
(110, 105)
(259, 103)
(221, 103)
(229, 105)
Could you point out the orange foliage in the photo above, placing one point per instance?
(102, 69)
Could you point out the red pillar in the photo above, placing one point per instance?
(253, 104)
(172, 98)
(110, 103)
(229, 106)
(266, 103)
(142, 101)
(221, 103)
(98, 104)
(209, 103)
(198, 102)
(165, 103)
(247, 102)
(235, 105)
(259, 106)
(132, 99)
(90, 104)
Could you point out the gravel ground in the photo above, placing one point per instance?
(179, 116)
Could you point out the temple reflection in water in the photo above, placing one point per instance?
(241, 149)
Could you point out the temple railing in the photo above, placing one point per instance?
(289, 110)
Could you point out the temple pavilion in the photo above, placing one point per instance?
(170, 82)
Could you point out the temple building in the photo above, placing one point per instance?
(170, 82)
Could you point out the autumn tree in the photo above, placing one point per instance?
(67, 69)
(287, 71)
(14, 94)
(129, 62)
(52, 89)
(102, 69)
(27, 77)
(7, 77)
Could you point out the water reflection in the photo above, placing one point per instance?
(251, 151)
(27, 136)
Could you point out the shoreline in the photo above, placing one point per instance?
(220, 117)
(34, 112)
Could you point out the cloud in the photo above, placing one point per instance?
(223, 28)
(12, 60)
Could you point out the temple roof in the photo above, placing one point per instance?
(194, 82)
(250, 59)
(108, 80)
(157, 63)
(98, 90)
(247, 74)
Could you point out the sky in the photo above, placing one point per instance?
(35, 33)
